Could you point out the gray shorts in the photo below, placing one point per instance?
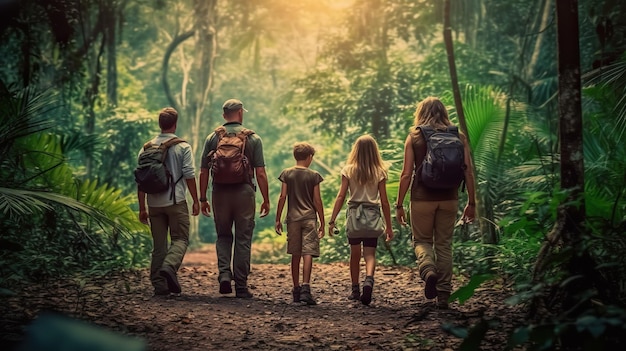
(302, 238)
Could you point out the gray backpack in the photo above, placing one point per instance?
(444, 164)
(151, 174)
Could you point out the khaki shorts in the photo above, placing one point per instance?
(302, 238)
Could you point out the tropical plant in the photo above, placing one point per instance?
(49, 215)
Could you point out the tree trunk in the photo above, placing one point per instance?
(489, 235)
(568, 231)
(110, 25)
(540, 30)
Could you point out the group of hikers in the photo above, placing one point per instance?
(437, 162)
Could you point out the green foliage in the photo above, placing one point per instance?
(52, 223)
(465, 292)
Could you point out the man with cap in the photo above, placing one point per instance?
(234, 204)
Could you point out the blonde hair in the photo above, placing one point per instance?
(364, 162)
(432, 112)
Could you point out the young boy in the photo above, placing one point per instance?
(301, 187)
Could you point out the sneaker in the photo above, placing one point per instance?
(368, 286)
(296, 294)
(225, 287)
(169, 274)
(243, 293)
(430, 290)
(305, 295)
(356, 293)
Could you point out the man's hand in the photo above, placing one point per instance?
(401, 216)
(206, 208)
(265, 209)
(195, 209)
(143, 216)
(278, 227)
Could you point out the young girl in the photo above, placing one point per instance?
(365, 177)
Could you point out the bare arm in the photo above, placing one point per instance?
(143, 212)
(384, 203)
(339, 200)
(193, 190)
(204, 181)
(405, 178)
(319, 208)
(278, 226)
(261, 178)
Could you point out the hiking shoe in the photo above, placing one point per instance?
(442, 300)
(161, 292)
(430, 290)
(368, 286)
(296, 294)
(225, 287)
(305, 295)
(356, 293)
(243, 293)
(169, 274)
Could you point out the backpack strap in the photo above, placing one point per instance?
(453, 129)
(166, 146)
(243, 135)
(426, 130)
(169, 143)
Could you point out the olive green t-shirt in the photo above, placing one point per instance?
(300, 183)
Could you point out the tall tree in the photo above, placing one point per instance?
(197, 75)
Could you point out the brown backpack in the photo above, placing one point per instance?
(228, 162)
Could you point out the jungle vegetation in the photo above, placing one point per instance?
(540, 86)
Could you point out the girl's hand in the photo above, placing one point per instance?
(331, 229)
(389, 234)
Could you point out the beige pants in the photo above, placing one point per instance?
(432, 224)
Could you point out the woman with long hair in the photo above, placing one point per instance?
(433, 211)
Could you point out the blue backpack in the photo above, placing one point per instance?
(444, 164)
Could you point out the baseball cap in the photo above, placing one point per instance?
(233, 105)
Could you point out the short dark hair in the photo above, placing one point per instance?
(302, 150)
(168, 117)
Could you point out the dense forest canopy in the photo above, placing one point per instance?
(81, 82)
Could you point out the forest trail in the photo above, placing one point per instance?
(399, 317)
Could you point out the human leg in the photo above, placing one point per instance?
(355, 261)
(422, 225)
(223, 218)
(369, 253)
(310, 247)
(158, 229)
(444, 229)
(179, 233)
(243, 200)
(178, 219)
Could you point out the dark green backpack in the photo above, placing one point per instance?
(444, 164)
(151, 174)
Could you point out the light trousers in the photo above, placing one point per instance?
(172, 220)
(432, 225)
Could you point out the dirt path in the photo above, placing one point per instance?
(399, 317)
